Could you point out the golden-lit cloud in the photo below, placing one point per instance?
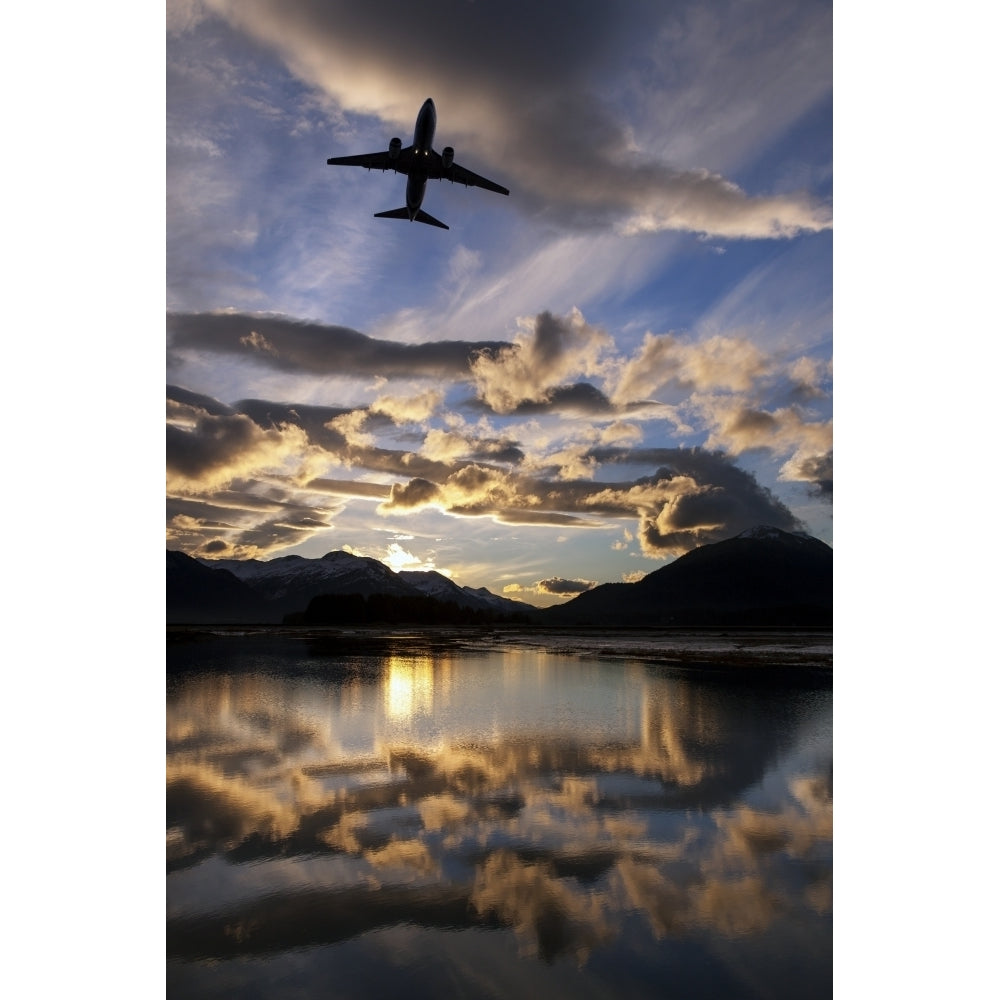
(547, 352)
(351, 427)
(213, 450)
(719, 363)
(737, 427)
(408, 409)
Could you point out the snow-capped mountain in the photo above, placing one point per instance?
(438, 586)
(763, 576)
(290, 576)
(254, 590)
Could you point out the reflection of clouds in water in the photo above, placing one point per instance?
(749, 835)
(444, 812)
(409, 855)
(558, 838)
(550, 915)
(208, 809)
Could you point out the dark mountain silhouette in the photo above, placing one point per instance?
(198, 595)
(764, 576)
(253, 591)
(287, 584)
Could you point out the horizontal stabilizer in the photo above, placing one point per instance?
(404, 213)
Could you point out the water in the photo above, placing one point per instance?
(444, 815)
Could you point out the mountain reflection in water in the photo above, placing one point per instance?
(481, 822)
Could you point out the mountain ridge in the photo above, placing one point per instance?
(763, 576)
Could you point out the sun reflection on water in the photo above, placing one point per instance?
(409, 687)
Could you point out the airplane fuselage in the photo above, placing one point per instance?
(420, 163)
(423, 138)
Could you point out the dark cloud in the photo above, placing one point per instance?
(241, 523)
(313, 348)
(560, 587)
(633, 456)
(187, 398)
(314, 420)
(212, 444)
(753, 422)
(415, 493)
(722, 504)
(496, 450)
(580, 398)
(281, 533)
(349, 488)
(523, 88)
(699, 497)
(218, 508)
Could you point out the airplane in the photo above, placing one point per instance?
(419, 162)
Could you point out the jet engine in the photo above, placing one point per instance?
(447, 157)
(395, 145)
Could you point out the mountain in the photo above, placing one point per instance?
(436, 585)
(254, 591)
(763, 576)
(289, 583)
(199, 595)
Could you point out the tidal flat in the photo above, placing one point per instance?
(428, 813)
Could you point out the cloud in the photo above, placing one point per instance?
(722, 363)
(298, 346)
(738, 427)
(817, 470)
(409, 409)
(547, 351)
(349, 488)
(574, 159)
(700, 497)
(262, 470)
(451, 445)
(397, 558)
(219, 449)
(241, 524)
(561, 587)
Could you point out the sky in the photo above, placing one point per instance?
(90, 235)
(628, 357)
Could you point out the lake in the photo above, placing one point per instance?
(470, 814)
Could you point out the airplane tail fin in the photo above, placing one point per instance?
(403, 213)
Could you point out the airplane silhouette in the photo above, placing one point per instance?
(420, 163)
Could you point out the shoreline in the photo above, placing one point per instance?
(772, 649)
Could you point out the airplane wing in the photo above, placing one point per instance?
(459, 175)
(462, 176)
(376, 161)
